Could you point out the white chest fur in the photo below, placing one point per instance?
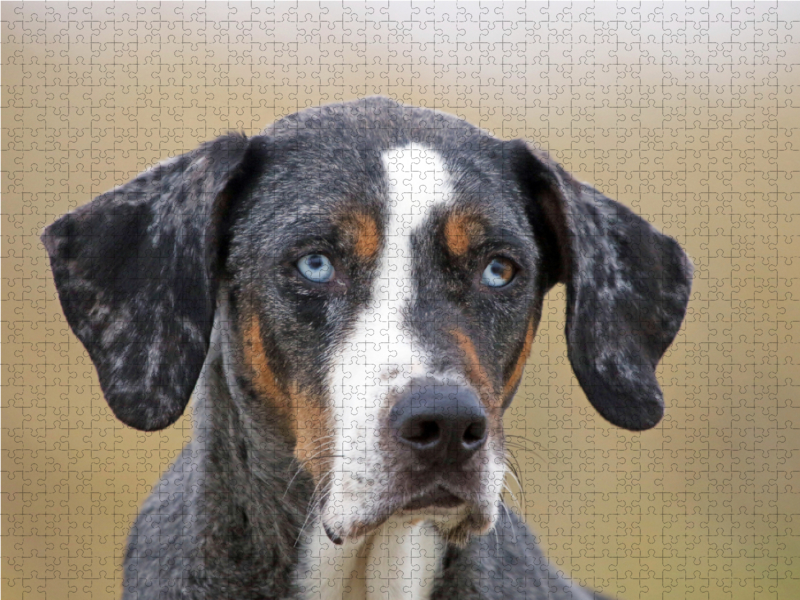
(397, 562)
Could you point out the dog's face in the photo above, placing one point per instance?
(386, 295)
(383, 270)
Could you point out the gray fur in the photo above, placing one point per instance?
(144, 271)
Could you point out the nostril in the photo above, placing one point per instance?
(475, 433)
(440, 424)
(421, 433)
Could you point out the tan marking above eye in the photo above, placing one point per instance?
(361, 230)
(461, 231)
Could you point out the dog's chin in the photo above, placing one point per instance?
(453, 518)
(460, 534)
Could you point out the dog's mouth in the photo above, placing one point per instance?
(438, 497)
(445, 510)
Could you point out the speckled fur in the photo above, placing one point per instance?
(157, 277)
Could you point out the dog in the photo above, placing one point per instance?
(351, 297)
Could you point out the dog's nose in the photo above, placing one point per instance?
(442, 424)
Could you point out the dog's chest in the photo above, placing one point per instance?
(397, 562)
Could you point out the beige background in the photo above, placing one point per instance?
(688, 114)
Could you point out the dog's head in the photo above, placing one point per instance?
(383, 270)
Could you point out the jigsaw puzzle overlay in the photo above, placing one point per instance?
(685, 113)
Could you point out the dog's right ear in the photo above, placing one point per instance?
(136, 272)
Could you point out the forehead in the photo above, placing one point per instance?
(418, 181)
(380, 158)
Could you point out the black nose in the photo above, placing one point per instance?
(442, 424)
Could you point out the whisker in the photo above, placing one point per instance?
(314, 505)
(538, 455)
(519, 442)
(511, 520)
(300, 465)
(514, 470)
(296, 461)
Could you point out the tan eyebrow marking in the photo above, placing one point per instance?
(460, 231)
(361, 230)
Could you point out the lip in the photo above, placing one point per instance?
(435, 498)
(438, 497)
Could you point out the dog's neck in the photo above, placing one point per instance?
(257, 502)
(398, 561)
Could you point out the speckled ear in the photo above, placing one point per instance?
(628, 288)
(136, 274)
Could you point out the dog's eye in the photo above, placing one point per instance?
(498, 273)
(316, 268)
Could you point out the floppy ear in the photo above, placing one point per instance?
(136, 274)
(627, 288)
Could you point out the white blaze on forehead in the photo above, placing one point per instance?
(381, 352)
(418, 180)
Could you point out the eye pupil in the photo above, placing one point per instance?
(316, 268)
(498, 273)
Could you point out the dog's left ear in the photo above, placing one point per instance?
(136, 272)
(627, 287)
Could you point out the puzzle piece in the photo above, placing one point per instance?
(684, 113)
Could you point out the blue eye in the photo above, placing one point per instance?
(316, 268)
(498, 273)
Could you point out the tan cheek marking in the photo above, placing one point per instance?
(314, 435)
(475, 371)
(460, 230)
(519, 366)
(263, 377)
(308, 420)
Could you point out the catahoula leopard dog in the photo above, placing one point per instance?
(351, 297)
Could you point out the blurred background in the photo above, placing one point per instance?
(686, 113)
